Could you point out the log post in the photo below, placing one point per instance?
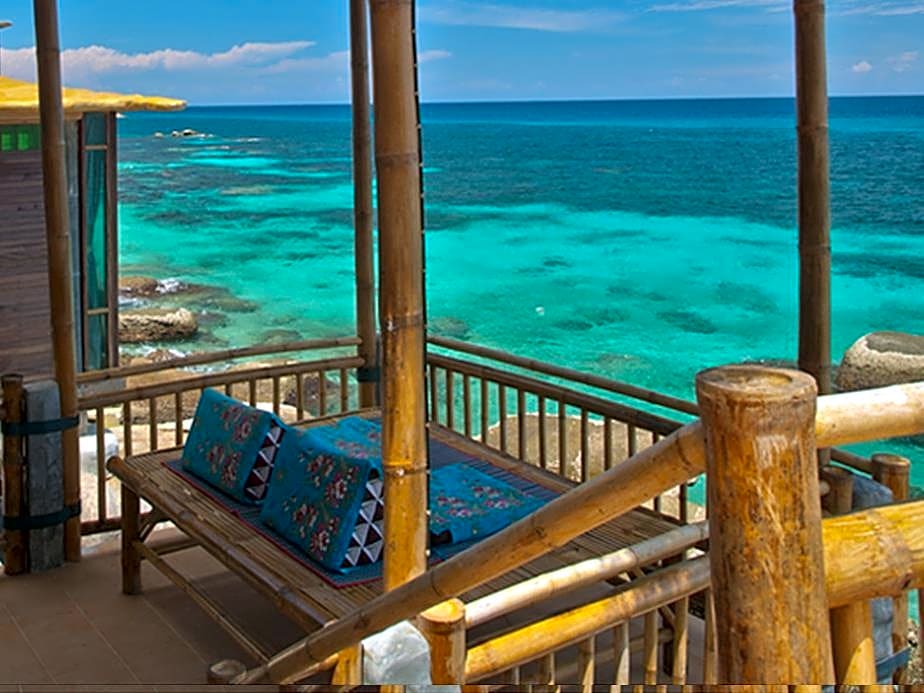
(814, 193)
(444, 628)
(54, 177)
(362, 200)
(852, 640)
(894, 472)
(839, 499)
(397, 158)
(131, 532)
(765, 525)
(14, 559)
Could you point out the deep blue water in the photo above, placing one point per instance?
(642, 240)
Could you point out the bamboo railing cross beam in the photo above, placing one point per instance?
(840, 419)
(57, 234)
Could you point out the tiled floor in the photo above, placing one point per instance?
(73, 625)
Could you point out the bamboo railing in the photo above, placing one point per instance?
(888, 412)
(155, 414)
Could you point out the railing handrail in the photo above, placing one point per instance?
(615, 386)
(216, 357)
(594, 404)
(106, 399)
(844, 457)
(577, 575)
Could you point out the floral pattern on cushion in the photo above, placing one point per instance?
(319, 484)
(224, 443)
(468, 504)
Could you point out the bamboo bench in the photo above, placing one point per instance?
(295, 591)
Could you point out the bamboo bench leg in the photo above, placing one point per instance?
(131, 559)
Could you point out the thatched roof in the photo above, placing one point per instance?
(21, 98)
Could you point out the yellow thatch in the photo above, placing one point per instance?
(21, 98)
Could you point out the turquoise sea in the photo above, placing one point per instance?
(641, 240)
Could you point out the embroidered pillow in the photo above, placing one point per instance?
(326, 495)
(468, 504)
(232, 446)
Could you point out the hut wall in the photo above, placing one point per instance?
(25, 322)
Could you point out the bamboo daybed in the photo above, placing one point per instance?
(296, 591)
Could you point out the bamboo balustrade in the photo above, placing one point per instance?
(898, 410)
(173, 393)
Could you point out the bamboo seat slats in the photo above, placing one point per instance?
(301, 594)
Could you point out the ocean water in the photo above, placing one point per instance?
(641, 240)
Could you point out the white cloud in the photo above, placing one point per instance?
(433, 54)
(862, 67)
(336, 61)
(880, 9)
(703, 5)
(463, 13)
(903, 61)
(93, 60)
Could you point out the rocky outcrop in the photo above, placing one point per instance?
(882, 358)
(156, 325)
(138, 286)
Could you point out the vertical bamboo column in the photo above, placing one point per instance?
(14, 559)
(894, 472)
(362, 198)
(765, 525)
(54, 175)
(814, 194)
(397, 154)
(852, 636)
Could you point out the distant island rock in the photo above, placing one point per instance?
(156, 325)
(878, 359)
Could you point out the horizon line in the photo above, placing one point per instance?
(581, 99)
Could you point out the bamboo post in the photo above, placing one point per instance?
(131, 530)
(894, 472)
(14, 559)
(397, 157)
(765, 525)
(839, 499)
(54, 176)
(852, 640)
(348, 671)
(814, 194)
(362, 198)
(444, 628)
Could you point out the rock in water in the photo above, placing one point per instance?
(882, 358)
(135, 286)
(156, 325)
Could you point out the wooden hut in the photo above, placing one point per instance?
(92, 194)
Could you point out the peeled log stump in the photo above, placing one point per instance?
(765, 525)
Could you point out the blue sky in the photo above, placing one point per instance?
(287, 51)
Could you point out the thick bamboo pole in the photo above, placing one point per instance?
(814, 207)
(54, 176)
(362, 197)
(885, 412)
(397, 157)
(14, 556)
(765, 525)
(894, 472)
(852, 640)
(444, 628)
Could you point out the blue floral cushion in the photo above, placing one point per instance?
(468, 504)
(231, 446)
(319, 485)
